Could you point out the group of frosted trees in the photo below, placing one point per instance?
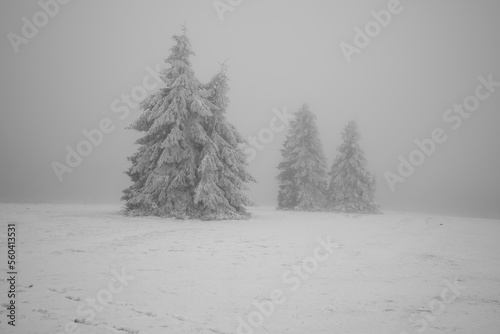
(190, 162)
(304, 183)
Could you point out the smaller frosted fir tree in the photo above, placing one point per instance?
(302, 177)
(351, 187)
(219, 193)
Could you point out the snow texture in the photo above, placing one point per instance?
(197, 277)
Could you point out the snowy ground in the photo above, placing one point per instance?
(386, 273)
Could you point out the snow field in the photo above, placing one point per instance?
(386, 274)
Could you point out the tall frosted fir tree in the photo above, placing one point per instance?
(351, 187)
(302, 178)
(180, 167)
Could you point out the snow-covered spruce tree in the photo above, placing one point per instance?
(176, 171)
(219, 191)
(302, 178)
(351, 187)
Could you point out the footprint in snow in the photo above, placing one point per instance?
(76, 299)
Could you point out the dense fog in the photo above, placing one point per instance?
(424, 90)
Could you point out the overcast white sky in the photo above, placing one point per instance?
(280, 53)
